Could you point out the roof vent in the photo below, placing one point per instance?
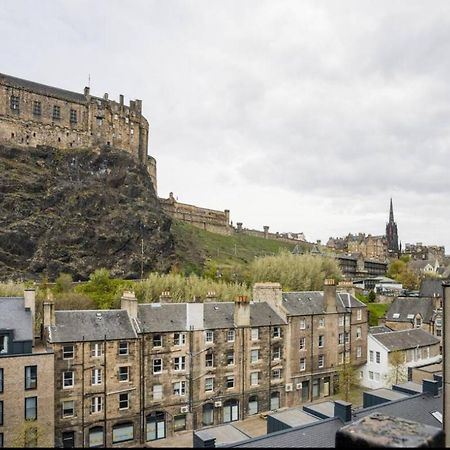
(99, 314)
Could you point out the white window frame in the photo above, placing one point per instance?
(127, 372)
(321, 362)
(63, 408)
(179, 363)
(230, 378)
(231, 334)
(302, 343)
(209, 384)
(341, 321)
(302, 323)
(252, 378)
(302, 364)
(276, 354)
(160, 340)
(358, 351)
(378, 357)
(96, 377)
(209, 336)
(227, 355)
(123, 345)
(358, 314)
(209, 362)
(71, 352)
(157, 391)
(179, 339)
(121, 408)
(96, 404)
(153, 365)
(358, 332)
(321, 341)
(253, 352)
(97, 349)
(276, 374)
(276, 332)
(72, 378)
(255, 334)
(179, 388)
(371, 356)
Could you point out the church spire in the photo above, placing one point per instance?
(391, 213)
(391, 232)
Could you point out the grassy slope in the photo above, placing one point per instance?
(203, 251)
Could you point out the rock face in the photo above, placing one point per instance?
(78, 210)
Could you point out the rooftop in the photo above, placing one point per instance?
(405, 339)
(13, 316)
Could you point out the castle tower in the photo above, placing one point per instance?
(391, 232)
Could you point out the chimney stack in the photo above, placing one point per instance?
(105, 96)
(343, 410)
(242, 311)
(165, 297)
(128, 302)
(121, 99)
(211, 296)
(271, 294)
(49, 314)
(87, 91)
(329, 294)
(29, 296)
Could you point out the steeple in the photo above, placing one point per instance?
(391, 213)
(391, 232)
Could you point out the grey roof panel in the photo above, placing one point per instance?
(401, 340)
(405, 306)
(42, 88)
(14, 317)
(379, 329)
(431, 288)
(94, 325)
(162, 317)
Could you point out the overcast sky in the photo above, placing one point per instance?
(301, 115)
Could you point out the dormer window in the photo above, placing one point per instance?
(418, 323)
(3, 344)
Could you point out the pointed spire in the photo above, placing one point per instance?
(391, 213)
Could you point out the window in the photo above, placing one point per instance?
(156, 426)
(179, 339)
(274, 400)
(321, 361)
(347, 320)
(209, 359)
(358, 314)
(276, 332)
(358, 332)
(56, 112)
(208, 414)
(14, 103)
(341, 338)
(321, 341)
(341, 321)
(341, 358)
(73, 116)
(96, 377)
(96, 437)
(418, 322)
(1, 440)
(179, 388)
(358, 351)
(68, 439)
(124, 401)
(124, 373)
(209, 384)
(230, 358)
(3, 344)
(99, 121)
(322, 322)
(230, 336)
(209, 336)
(396, 316)
(255, 334)
(378, 357)
(370, 375)
(254, 378)
(276, 374)
(68, 408)
(97, 350)
(438, 321)
(123, 348)
(1, 412)
(276, 354)
(230, 411)
(68, 352)
(31, 408)
(68, 378)
(157, 340)
(302, 364)
(179, 363)
(230, 382)
(438, 332)
(179, 423)
(303, 343)
(157, 365)
(96, 404)
(30, 377)
(302, 323)
(371, 355)
(347, 337)
(1, 380)
(37, 109)
(157, 392)
(123, 432)
(254, 355)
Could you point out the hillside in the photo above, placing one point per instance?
(77, 210)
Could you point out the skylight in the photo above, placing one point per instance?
(395, 315)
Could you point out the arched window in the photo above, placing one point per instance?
(231, 410)
(156, 426)
(96, 437)
(208, 414)
(123, 432)
(253, 405)
(274, 400)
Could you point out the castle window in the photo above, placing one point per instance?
(37, 109)
(99, 121)
(73, 116)
(56, 112)
(14, 103)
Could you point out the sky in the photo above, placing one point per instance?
(302, 115)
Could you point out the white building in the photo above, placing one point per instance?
(415, 346)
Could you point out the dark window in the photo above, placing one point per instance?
(68, 378)
(68, 439)
(96, 437)
(208, 414)
(37, 108)
(30, 377)
(1, 412)
(124, 373)
(157, 340)
(14, 103)
(68, 352)
(68, 408)
(156, 426)
(3, 344)
(1, 440)
(31, 408)
(209, 359)
(1, 380)
(179, 423)
(56, 112)
(122, 432)
(124, 400)
(123, 348)
(73, 116)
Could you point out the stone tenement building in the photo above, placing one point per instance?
(26, 378)
(148, 371)
(34, 114)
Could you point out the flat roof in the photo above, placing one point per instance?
(325, 408)
(294, 417)
(388, 394)
(224, 434)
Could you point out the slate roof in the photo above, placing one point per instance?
(410, 305)
(379, 329)
(161, 317)
(305, 303)
(431, 288)
(42, 88)
(405, 339)
(14, 317)
(94, 325)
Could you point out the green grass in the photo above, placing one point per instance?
(376, 311)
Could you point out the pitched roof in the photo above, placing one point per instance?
(312, 302)
(42, 88)
(13, 316)
(162, 317)
(431, 288)
(94, 325)
(379, 329)
(405, 339)
(402, 308)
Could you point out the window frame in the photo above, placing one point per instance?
(231, 332)
(120, 374)
(181, 389)
(209, 384)
(30, 378)
(96, 404)
(27, 408)
(64, 379)
(160, 364)
(123, 400)
(157, 340)
(56, 112)
(321, 361)
(65, 416)
(121, 348)
(65, 352)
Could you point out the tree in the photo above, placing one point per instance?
(348, 380)
(398, 372)
(32, 434)
(371, 297)
(63, 283)
(400, 271)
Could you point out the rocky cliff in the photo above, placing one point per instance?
(78, 210)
